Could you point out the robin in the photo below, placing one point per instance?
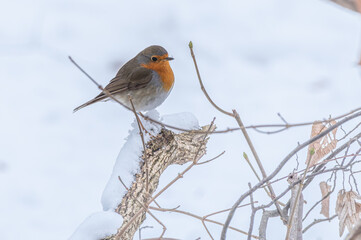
(147, 78)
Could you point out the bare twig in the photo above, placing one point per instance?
(201, 83)
(258, 161)
(349, 132)
(140, 231)
(218, 212)
(212, 159)
(279, 167)
(252, 215)
(143, 142)
(324, 197)
(199, 217)
(240, 124)
(285, 126)
(317, 164)
(318, 221)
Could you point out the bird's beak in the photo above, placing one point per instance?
(168, 59)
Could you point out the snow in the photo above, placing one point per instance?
(127, 164)
(184, 120)
(97, 226)
(297, 58)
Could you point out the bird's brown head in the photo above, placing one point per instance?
(153, 55)
(156, 58)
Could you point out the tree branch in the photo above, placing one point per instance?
(164, 150)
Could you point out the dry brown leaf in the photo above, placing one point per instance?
(347, 209)
(355, 234)
(325, 204)
(322, 146)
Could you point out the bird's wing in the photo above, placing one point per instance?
(138, 78)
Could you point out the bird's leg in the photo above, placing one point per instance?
(144, 129)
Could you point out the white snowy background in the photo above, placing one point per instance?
(298, 58)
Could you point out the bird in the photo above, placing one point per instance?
(147, 79)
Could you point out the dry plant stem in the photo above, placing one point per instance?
(252, 215)
(349, 132)
(265, 216)
(143, 142)
(283, 126)
(135, 214)
(218, 212)
(212, 159)
(226, 210)
(207, 230)
(201, 83)
(318, 221)
(200, 218)
(296, 205)
(140, 231)
(238, 119)
(258, 161)
(259, 179)
(317, 164)
(326, 196)
(279, 167)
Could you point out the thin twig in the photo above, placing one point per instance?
(323, 162)
(252, 214)
(143, 142)
(201, 83)
(349, 132)
(279, 167)
(140, 231)
(323, 198)
(286, 126)
(259, 179)
(218, 212)
(258, 161)
(226, 210)
(318, 221)
(212, 159)
(199, 217)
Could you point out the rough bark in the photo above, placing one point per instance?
(165, 149)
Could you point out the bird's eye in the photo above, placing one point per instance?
(154, 59)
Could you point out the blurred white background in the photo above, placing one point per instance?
(297, 58)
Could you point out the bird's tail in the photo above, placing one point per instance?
(97, 99)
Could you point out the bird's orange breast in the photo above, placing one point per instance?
(165, 72)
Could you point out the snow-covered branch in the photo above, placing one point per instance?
(126, 192)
